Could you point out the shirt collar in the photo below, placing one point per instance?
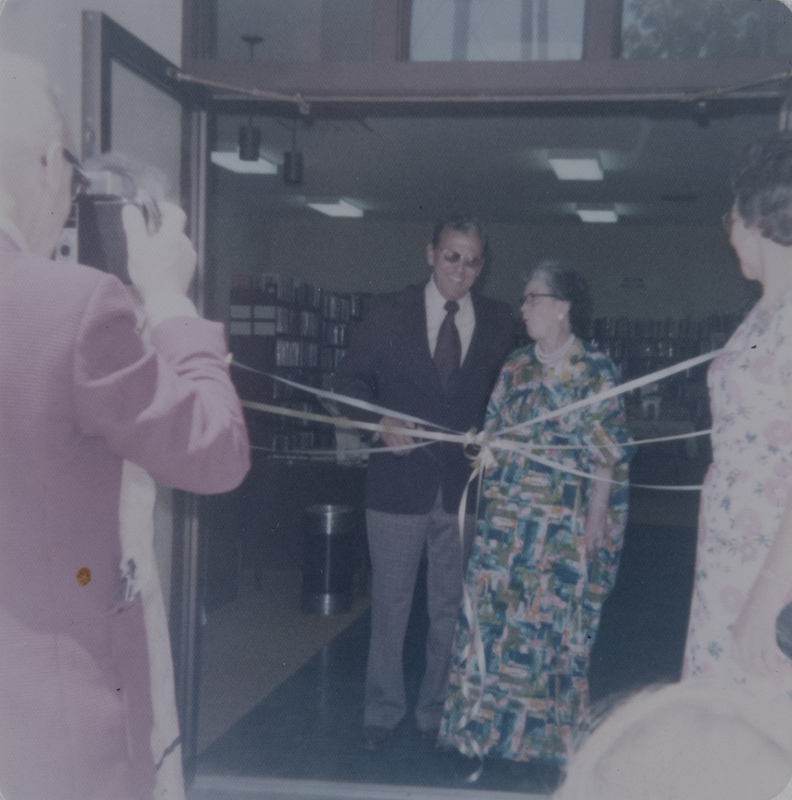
(437, 301)
(11, 230)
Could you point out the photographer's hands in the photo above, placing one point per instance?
(161, 266)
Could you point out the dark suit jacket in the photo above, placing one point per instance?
(388, 362)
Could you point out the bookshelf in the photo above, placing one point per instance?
(294, 330)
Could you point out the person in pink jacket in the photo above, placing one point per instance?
(80, 393)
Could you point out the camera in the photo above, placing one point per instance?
(94, 232)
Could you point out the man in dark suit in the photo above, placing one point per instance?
(433, 352)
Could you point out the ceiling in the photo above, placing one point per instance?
(661, 164)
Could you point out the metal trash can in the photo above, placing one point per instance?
(328, 564)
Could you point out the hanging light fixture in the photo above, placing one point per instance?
(293, 162)
(249, 142)
(250, 135)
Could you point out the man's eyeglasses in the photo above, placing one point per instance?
(531, 297)
(452, 257)
(80, 180)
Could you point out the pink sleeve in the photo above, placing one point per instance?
(170, 407)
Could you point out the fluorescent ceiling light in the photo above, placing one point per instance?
(233, 162)
(576, 168)
(597, 214)
(576, 165)
(338, 209)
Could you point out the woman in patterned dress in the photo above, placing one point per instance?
(744, 560)
(548, 541)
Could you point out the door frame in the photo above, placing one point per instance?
(104, 41)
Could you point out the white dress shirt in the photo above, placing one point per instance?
(465, 318)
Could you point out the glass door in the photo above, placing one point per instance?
(132, 105)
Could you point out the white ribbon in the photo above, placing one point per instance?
(478, 439)
(614, 391)
(485, 459)
(364, 405)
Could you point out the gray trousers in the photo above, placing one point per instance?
(396, 543)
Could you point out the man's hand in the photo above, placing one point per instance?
(162, 264)
(397, 439)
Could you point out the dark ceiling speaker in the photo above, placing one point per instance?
(250, 135)
(249, 142)
(293, 168)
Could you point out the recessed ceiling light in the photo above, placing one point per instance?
(597, 213)
(341, 208)
(575, 166)
(233, 162)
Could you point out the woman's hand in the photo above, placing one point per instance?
(753, 637)
(597, 516)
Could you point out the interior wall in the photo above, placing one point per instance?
(50, 32)
(647, 271)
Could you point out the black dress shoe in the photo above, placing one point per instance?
(375, 737)
(465, 769)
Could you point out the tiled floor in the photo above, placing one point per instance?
(308, 729)
(253, 644)
(303, 738)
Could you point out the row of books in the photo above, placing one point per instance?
(285, 441)
(272, 289)
(670, 350)
(288, 322)
(626, 328)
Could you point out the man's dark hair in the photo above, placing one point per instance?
(464, 223)
(762, 184)
(566, 283)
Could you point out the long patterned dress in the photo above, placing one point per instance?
(538, 600)
(747, 485)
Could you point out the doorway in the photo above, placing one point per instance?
(665, 174)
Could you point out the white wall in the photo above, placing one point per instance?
(50, 31)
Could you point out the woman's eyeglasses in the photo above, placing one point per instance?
(532, 297)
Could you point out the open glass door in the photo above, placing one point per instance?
(130, 105)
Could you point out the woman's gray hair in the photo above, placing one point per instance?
(566, 283)
(762, 184)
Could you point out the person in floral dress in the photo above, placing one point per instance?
(548, 542)
(744, 560)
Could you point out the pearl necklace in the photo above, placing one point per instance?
(549, 358)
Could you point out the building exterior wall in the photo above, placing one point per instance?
(50, 32)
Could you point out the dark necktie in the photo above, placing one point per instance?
(448, 350)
